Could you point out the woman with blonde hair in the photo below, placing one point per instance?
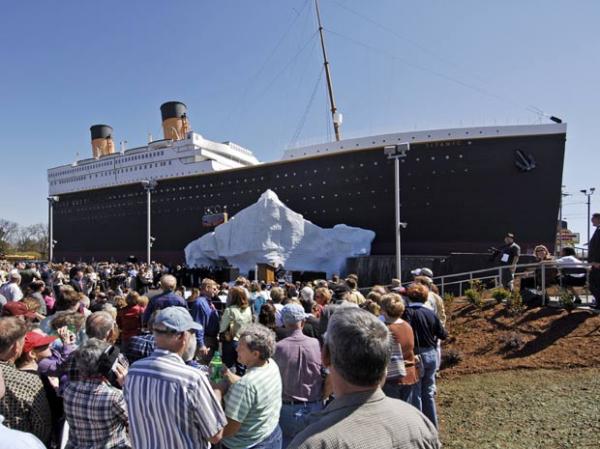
(235, 317)
(392, 308)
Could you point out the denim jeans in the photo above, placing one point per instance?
(406, 393)
(425, 389)
(273, 441)
(293, 419)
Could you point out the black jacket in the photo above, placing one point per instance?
(594, 247)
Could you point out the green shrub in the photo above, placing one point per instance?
(474, 297)
(476, 284)
(567, 300)
(500, 294)
(514, 303)
(448, 299)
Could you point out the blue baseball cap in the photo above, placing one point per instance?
(176, 319)
(293, 313)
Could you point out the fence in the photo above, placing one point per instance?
(495, 275)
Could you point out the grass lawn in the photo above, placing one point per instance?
(521, 409)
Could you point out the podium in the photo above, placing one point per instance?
(265, 272)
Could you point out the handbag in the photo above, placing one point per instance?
(395, 367)
(229, 333)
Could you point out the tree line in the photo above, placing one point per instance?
(16, 238)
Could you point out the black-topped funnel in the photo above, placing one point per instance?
(174, 120)
(102, 142)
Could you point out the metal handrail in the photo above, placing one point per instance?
(442, 281)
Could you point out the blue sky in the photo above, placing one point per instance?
(248, 69)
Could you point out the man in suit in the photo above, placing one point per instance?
(76, 279)
(167, 298)
(594, 260)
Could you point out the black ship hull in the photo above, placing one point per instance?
(456, 196)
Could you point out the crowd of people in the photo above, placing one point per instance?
(90, 359)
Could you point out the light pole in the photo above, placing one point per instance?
(149, 185)
(397, 152)
(588, 192)
(51, 241)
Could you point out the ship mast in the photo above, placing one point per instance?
(335, 115)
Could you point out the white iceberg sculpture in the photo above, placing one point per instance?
(269, 232)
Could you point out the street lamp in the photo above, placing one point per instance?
(51, 241)
(588, 192)
(149, 186)
(397, 152)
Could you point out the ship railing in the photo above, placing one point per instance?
(494, 275)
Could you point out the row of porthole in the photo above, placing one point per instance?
(399, 139)
(159, 199)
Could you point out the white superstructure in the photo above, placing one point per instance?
(162, 159)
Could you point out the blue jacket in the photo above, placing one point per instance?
(162, 301)
(204, 313)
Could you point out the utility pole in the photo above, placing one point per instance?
(51, 241)
(149, 186)
(397, 152)
(588, 192)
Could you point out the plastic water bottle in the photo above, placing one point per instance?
(216, 364)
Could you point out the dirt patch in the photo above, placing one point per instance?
(491, 338)
(521, 409)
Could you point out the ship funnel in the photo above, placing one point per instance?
(174, 120)
(102, 143)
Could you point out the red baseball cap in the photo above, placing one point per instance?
(17, 308)
(36, 340)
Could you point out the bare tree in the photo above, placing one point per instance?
(32, 238)
(8, 230)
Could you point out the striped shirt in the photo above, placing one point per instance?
(255, 402)
(170, 404)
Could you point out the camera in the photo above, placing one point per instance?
(107, 363)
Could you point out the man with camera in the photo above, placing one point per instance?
(95, 411)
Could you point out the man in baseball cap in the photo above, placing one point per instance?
(37, 341)
(174, 320)
(164, 375)
(422, 272)
(299, 359)
(291, 314)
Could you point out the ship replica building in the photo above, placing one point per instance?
(461, 189)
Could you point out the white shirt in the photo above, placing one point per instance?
(11, 291)
(15, 439)
(569, 261)
(430, 303)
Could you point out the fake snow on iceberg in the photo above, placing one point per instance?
(270, 232)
